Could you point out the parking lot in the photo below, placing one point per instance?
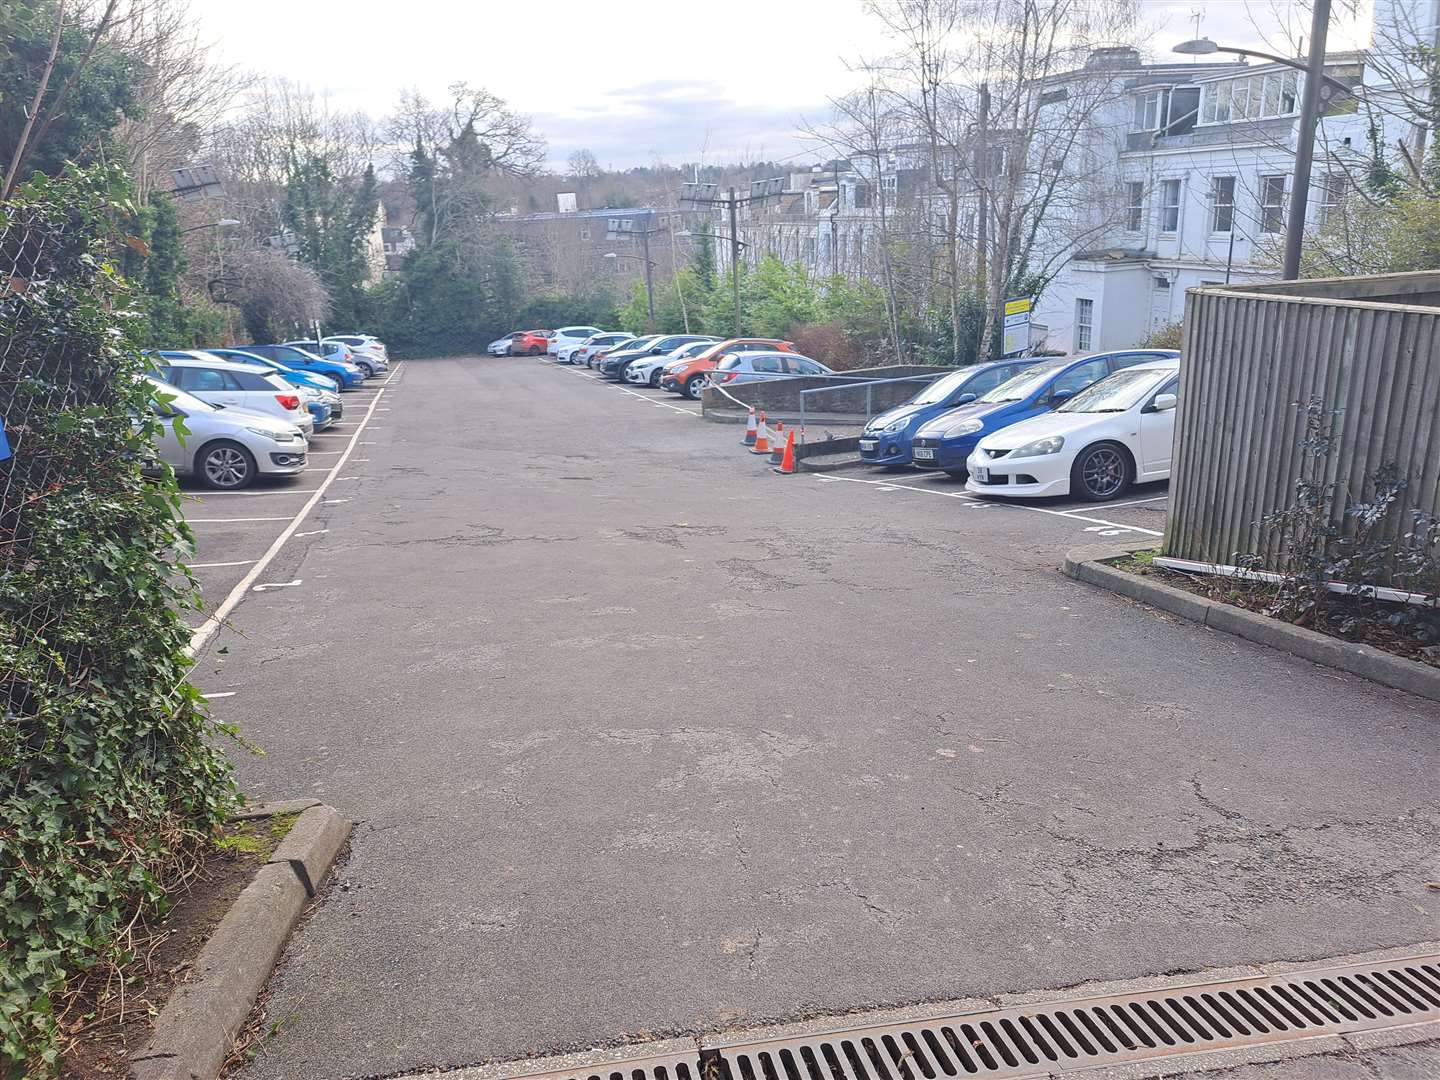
(644, 739)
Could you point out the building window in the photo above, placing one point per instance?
(1162, 282)
(1222, 204)
(1134, 205)
(1169, 206)
(1254, 97)
(584, 234)
(1084, 324)
(1149, 111)
(1272, 204)
(1332, 195)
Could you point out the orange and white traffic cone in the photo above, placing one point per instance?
(750, 429)
(787, 461)
(762, 438)
(777, 449)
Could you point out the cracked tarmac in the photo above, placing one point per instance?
(693, 745)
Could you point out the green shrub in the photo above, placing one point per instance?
(107, 768)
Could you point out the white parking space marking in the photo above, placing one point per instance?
(312, 532)
(201, 636)
(216, 521)
(222, 693)
(334, 502)
(980, 504)
(1135, 502)
(277, 585)
(263, 494)
(215, 565)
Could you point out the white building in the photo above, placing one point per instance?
(1203, 180)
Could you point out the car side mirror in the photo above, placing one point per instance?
(963, 399)
(1163, 403)
(1061, 395)
(656, 351)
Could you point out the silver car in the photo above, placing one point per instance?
(224, 448)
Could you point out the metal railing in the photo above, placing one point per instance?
(855, 382)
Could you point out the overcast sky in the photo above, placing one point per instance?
(633, 81)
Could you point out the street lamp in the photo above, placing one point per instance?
(211, 225)
(1310, 104)
(649, 285)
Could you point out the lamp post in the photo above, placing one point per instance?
(210, 225)
(1319, 88)
(649, 284)
(735, 245)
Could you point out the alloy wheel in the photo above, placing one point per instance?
(227, 467)
(1103, 473)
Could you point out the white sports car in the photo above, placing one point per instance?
(1112, 434)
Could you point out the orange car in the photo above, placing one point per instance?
(530, 342)
(687, 377)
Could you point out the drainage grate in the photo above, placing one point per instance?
(1046, 1039)
(1063, 1036)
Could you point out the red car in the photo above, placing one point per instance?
(530, 342)
(687, 377)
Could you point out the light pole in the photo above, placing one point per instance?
(698, 194)
(1319, 89)
(211, 225)
(649, 284)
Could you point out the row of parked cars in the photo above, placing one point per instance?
(1088, 426)
(683, 364)
(231, 415)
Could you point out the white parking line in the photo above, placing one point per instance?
(216, 521)
(980, 504)
(222, 693)
(1135, 502)
(262, 494)
(207, 629)
(213, 565)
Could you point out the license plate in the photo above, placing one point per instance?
(869, 444)
(982, 474)
(924, 455)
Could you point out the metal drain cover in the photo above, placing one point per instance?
(1064, 1036)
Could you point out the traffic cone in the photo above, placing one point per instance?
(762, 438)
(750, 429)
(777, 451)
(787, 462)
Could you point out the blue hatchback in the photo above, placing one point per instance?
(886, 438)
(341, 376)
(947, 440)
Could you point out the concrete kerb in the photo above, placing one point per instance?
(197, 1028)
(1088, 564)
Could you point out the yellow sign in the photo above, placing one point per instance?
(1017, 307)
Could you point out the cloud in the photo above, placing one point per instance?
(676, 120)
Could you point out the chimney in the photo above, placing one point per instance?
(1113, 56)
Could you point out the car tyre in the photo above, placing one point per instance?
(339, 381)
(693, 385)
(225, 466)
(366, 370)
(535, 350)
(655, 378)
(1101, 472)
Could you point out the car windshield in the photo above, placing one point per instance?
(1022, 385)
(641, 343)
(1121, 391)
(179, 399)
(943, 387)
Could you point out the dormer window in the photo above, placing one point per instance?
(1254, 97)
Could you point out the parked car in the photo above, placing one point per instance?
(947, 441)
(598, 343)
(886, 438)
(530, 343)
(569, 338)
(343, 375)
(340, 353)
(230, 385)
(746, 367)
(646, 371)
(224, 448)
(618, 360)
(318, 393)
(687, 377)
(365, 344)
(501, 346)
(596, 358)
(1113, 433)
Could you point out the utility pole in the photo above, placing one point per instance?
(649, 282)
(734, 264)
(982, 181)
(698, 194)
(1305, 152)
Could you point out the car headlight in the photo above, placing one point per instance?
(894, 428)
(964, 427)
(1050, 445)
(275, 436)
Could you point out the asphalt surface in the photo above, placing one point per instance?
(643, 739)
